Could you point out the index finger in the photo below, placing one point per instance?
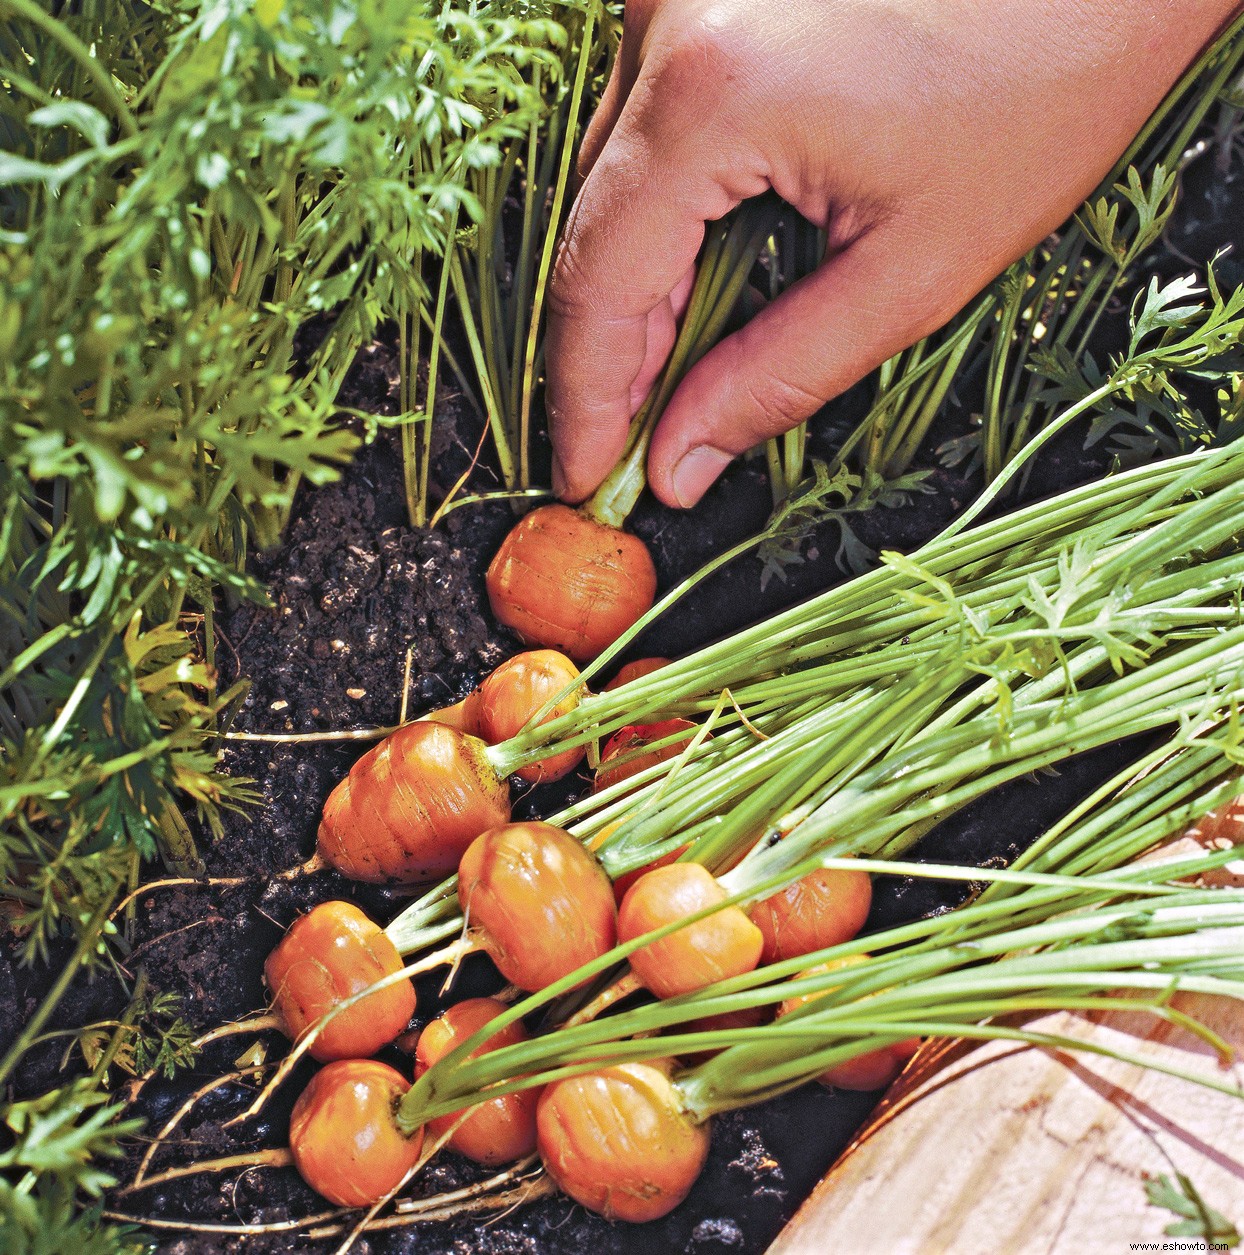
(632, 235)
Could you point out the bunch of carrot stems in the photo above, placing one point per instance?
(730, 249)
(857, 721)
(1066, 927)
(500, 308)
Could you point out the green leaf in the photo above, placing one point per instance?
(16, 170)
(77, 115)
(46, 1221)
(822, 499)
(1200, 1220)
(1160, 308)
(63, 1132)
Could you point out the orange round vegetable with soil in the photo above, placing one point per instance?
(628, 743)
(564, 580)
(538, 902)
(498, 1130)
(874, 1069)
(636, 670)
(618, 1141)
(343, 1136)
(623, 882)
(824, 908)
(411, 806)
(720, 945)
(327, 956)
(515, 691)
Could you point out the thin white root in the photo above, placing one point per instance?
(410, 658)
(316, 863)
(274, 1157)
(180, 1114)
(257, 1024)
(469, 1200)
(239, 1230)
(540, 1185)
(197, 882)
(418, 1206)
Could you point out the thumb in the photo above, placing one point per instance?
(863, 305)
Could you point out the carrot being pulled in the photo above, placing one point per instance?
(571, 578)
(567, 579)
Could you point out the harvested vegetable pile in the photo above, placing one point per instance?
(588, 914)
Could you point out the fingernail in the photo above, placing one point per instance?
(559, 476)
(696, 470)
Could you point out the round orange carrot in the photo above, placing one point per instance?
(515, 691)
(720, 945)
(635, 670)
(411, 806)
(539, 903)
(874, 1069)
(627, 743)
(618, 1141)
(343, 1136)
(329, 954)
(564, 580)
(819, 910)
(498, 1130)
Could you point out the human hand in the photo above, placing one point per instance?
(936, 143)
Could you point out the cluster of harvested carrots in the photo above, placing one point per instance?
(427, 802)
(842, 729)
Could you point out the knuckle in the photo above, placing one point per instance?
(712, 52)
(568, 285)
(755, 398)
(589, 152)
(775, 404)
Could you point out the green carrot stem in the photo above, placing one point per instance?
(492, 407)
(550, 239)
(1066, 969)
(82, 56)
(729, 254)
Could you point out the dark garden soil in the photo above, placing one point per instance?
(353, 588)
